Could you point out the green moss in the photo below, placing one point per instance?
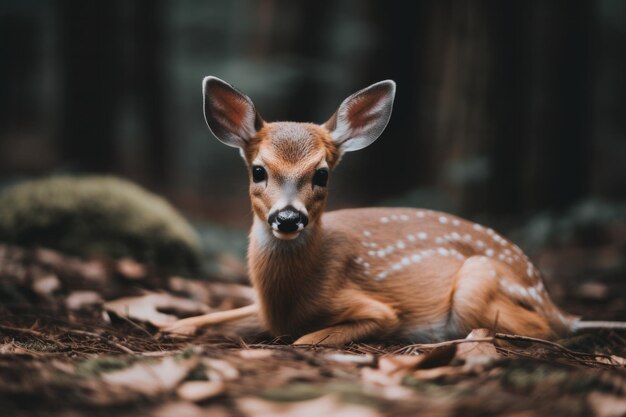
(102, 365)
(527, 377)
(98, 216)
(294, 392)
(38, 345)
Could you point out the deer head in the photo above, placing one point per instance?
(288, 162)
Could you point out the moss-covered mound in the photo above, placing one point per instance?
(98, 216)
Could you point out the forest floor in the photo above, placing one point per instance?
(72, 343)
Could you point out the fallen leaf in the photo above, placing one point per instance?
(327, 405)
(437, 357)
(255, 353)
(151, 378)
(612, 360)
(607, 405)
(44, 284)
(367, 359)
(394, 363)
(131, 269)
(194, 289)
(391, 370)
(220, 369)
(146, 307)
(437, 373)
(182, 409)
(198, 391)
(478, 353)
(78, 300)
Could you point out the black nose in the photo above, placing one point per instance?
(288, 220)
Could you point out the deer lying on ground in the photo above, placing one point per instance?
(349, 275)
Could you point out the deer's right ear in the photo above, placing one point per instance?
(230, 114)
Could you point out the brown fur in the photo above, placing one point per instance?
(368, 273)
(313, 288)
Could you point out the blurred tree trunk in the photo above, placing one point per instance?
(148, 82)
(461, 129)
(91, 44)
(541, 104)
(513, 125)
(403, 156)
(307, 42)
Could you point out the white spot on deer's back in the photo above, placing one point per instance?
(456, 222)
(367, 233)
(478, 227)
(489, 252)
(404, 217)
(384, 219)
(443, 219)
(420, 214)
(422, 235)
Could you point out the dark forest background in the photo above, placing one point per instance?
(504, 108)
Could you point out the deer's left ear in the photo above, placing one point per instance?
(362, 117)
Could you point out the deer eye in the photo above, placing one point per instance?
(320, 178)
(258, 174)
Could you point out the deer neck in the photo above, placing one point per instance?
(285, 273)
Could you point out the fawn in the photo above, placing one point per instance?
(349, 275)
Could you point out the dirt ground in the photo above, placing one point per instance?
(70, 345)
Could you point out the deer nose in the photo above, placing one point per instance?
(288, 220)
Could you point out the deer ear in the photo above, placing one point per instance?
(230, 114)
(362, 117)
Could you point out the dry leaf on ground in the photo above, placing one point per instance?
(366, 359)
(607, 405)
(477, 353)
(146, 307)
(255, 353)
(220, 369)
(328, 405)
(612, 360)
(197, 391)
(178, 409)
(78, 300)
(151, 378)
(131, 269)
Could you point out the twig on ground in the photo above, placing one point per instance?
(103, 338)
(33, 333)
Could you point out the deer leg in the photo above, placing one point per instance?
(479, 302)
(363, 318)
(190, 325)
